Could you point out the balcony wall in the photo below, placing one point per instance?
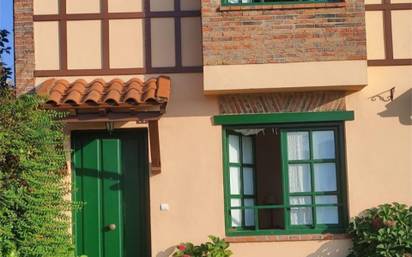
(290, 47)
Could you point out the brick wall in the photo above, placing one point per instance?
(333, 31)
(282, 102)
(24, 45)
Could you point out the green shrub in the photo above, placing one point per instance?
(34, 219)
(216, 248)
(385, 231)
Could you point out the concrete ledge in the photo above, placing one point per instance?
(302, 76)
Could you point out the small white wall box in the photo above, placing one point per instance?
(164, 207)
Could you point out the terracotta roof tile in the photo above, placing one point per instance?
(99, 92)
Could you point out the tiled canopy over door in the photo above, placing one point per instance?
(116, 37)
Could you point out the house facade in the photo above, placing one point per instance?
(267, 123)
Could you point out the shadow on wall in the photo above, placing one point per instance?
(166, 253)
(400, 107)
(332, 249)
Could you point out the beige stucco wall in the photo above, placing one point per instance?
(375, 35)
(402, 34)
(327, 75)
(379, 141)
(379, 146)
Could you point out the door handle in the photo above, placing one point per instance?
(111, 227)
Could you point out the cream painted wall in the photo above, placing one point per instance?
(374, 35)
(84, 44)
(126, 43)
(45, 6)
(402, 34)
(125, 5)
(162, 5)
(329, 75)
(337, 248)
(379, 141)
(191, 182)
(46, 45)
(82, 6)
(163, 42)
(191, 41)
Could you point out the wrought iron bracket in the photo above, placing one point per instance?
(385, 96)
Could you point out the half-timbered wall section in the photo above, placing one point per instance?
(389, 32)
(113, 37)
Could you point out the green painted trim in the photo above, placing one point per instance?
(283, 117)
(226, 2)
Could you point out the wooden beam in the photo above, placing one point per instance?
(154, 146)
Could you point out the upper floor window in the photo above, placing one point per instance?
(284, 179)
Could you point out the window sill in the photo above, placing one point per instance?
(289, 5)
(285, 238)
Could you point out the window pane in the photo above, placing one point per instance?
(301, 216)
(327, 215)
(325, 177)
(247, 149)
(298, 145)
(248, 181)
(323, 145)
(234, 149)
(300, 200)
(326, 199)
(299, 178)
(236, 214)
(249, 213)
(234, 180)
(271, 219)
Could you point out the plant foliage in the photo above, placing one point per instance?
(385, 231)
(34, 215)
(5, 72)
(216, 248)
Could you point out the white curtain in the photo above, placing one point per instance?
(299, 177)
(300, 215)
(298, 145)
(249, 132)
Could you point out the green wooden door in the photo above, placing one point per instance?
(110, 181)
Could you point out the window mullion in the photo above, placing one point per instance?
(312, 179)
(255, 210)
(285, 177)
(242, 196)
(339, 173)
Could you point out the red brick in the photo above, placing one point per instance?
(24, 45)
(283, 33)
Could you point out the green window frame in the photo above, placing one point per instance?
(285, 126)
(272, 2)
